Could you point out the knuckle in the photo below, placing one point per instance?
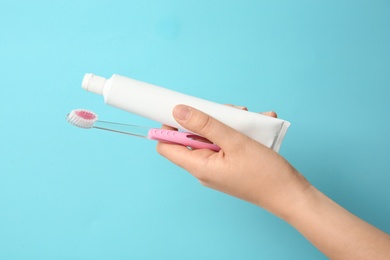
(238, 142)
(205, 125)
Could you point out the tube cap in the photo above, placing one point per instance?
(93, 83)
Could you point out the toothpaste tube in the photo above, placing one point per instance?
(157, 103)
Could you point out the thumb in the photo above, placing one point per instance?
(204, 125)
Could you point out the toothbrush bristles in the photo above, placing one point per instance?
(82, 118)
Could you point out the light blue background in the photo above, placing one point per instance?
(68, 193)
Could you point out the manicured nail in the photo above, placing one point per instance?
(182, 112)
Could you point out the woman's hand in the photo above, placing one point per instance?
(249, 170)
(242, 168)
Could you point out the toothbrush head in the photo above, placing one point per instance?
(82, 118)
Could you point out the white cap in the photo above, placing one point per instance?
(93, 83)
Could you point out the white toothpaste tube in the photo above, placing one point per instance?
(157, 103)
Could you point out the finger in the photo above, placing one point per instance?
(198, 122)
(238, 107)
(163, 146)
(270, 113)
(181, 155)
(190, 160)
(167, 127)
(176, 153)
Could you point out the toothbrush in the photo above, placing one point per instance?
(87, 119)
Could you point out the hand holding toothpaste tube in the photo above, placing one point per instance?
(244, 168)
(248, 170)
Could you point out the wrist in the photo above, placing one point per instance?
(292, 198)
(303, 201)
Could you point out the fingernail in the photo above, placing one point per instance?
(182, 112)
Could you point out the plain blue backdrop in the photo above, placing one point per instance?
(68, 193)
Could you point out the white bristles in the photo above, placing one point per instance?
(82, 118)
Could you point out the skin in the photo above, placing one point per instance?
(252, 172)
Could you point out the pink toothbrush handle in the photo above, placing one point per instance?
(187, 139)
